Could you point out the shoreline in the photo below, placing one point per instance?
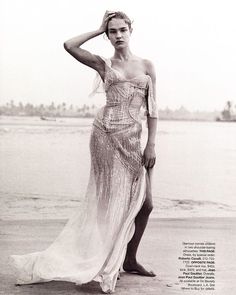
(92, 116)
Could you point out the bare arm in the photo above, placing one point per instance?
(152, 127)
(149, 155)
(73, 46)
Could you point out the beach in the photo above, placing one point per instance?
(43, 178)
(160, 248)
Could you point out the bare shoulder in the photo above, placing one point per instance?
(149, 68)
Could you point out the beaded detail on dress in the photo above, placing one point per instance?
(128, 94)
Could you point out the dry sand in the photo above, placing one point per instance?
(159, 250)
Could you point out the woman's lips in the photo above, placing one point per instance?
(119, 42)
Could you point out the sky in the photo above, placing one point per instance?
(191, 43)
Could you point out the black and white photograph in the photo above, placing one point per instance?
(117, 147)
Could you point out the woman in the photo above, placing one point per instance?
(105, 234)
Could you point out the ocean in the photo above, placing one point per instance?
(44, 168)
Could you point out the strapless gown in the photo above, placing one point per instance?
(93, 243)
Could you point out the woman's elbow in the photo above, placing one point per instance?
(67, 46)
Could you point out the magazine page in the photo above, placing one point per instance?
(101, 193)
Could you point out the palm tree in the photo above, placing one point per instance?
(229, 105)
(71, 107)
(64, 106)
(52, 107)
(226, 113)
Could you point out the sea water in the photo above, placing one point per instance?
(44, 167)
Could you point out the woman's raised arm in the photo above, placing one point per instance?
(73, 46)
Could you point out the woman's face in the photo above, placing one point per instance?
(118, 33)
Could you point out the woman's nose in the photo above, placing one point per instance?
(118, 34)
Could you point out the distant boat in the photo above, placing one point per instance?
(47, 119)
(228, 114)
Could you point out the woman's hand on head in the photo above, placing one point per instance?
(107, 16)
(149, 156)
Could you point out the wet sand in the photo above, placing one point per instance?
(159, 250)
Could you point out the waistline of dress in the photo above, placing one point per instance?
(116, 128)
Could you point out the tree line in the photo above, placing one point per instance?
(48, 110)
(69, 110)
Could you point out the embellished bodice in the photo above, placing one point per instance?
(124, 99)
